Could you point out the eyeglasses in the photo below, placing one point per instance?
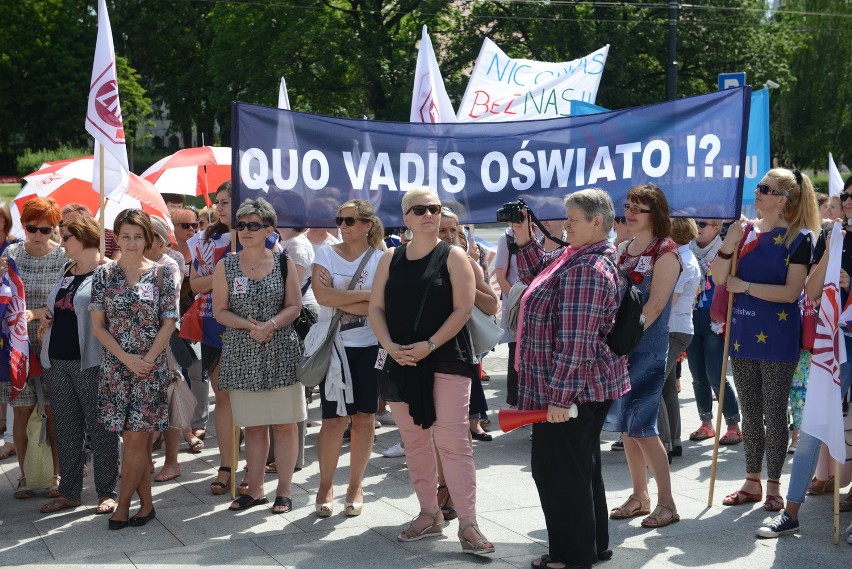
(419, 210)
(620, 219)
(634, 209)
(188, 225)
(251, 226)
(766, 189)
(66, 237)
(44, 230)
(844, 196)
(349, 221)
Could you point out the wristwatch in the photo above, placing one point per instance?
(748, 286)
(431, 345)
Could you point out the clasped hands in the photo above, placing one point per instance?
(261, 332)
(409, 354)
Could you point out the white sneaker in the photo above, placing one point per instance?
(395, 451)
(385, 418)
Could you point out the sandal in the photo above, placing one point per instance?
(732, 437)
(243, 488)
(200, 433)
(53, 492)
(218, 488)
(817, 486)
(7, 451)
(773, 503)
(22, 492)
(702, 433)
(740, 497)
(245, 502)
(282, 505)
(623, 512)
(846, 505)
(448, 511)
(480, 546)
(411, 533)
(656, 520)
(106, 506)
(270, 468)
(544, 562)
(59, 504)
(195, 446)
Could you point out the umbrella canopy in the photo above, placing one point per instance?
(70, 181)
(191, 171)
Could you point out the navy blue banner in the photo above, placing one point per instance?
(306, 165)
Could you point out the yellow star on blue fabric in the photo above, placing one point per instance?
(736, 346)
(779, 239)
(787, 261)
(782, 316)
(761, 337)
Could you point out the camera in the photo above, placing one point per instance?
(512, 212)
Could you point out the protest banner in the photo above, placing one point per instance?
(503, 89)
(691, 147)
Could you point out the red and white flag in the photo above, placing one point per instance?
(823, 414)
(16, 344)
(103, 117)
(430, 103)
(835, 182)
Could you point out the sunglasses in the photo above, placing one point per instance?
(418, 210)
(844, 196)
(67, 237)
(44, 230)
(702, 224)
(620, 219)
(251, 226)
(349, 221)
(766, 190)
(634, 209)
(188, 225)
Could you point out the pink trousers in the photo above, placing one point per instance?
(449, 433)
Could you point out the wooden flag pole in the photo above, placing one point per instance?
(101, 183)
(235, 454)
(836, 502)
(722, 380)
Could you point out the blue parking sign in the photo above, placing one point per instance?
(731, 80)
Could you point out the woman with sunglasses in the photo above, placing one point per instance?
(72, 211)
(435, 360)
(333, 270)
(765, 337)
(651, 259)
(256, 297)
(186, 223)
(134, 310)
(704, 354)
(71, 357)
(39, 261)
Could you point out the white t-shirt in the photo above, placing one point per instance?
(355, 331)
(680, 318)
(300, 250)
(329, 240)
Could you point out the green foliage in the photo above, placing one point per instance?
(31, 160)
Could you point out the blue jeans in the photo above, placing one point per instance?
(807, 452)
(704, 356)
(636, 411)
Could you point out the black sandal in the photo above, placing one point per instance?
(218, 488)
(245, 502)
(448, 511)
(282, 502)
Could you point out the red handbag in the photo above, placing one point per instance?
(808, 325)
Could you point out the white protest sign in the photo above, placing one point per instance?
(505, 89)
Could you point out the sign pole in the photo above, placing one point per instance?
(101, 182)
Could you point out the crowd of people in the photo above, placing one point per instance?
(106, 333)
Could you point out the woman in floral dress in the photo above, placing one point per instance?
(134, 310)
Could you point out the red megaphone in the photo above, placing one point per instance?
(511, 419)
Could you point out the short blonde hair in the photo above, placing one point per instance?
(684, 230)
(414, 193)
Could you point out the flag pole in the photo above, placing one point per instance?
(836, 502)
(235, 450)
(101, 182)
(722, 380)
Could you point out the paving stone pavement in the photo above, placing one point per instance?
(194, 528)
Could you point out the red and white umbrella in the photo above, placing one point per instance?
(191, 171)
(70, 181)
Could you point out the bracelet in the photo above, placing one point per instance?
(747, 291)
(274, 325)
(725, 256)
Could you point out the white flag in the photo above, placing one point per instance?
(823, 414)
(430, 102)
(283, 99)
(835, 182)
(503, 89)
(103, 118)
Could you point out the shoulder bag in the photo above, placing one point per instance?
(313, 368)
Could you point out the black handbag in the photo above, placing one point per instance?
(306, 318)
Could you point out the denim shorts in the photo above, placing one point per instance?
(636, 412)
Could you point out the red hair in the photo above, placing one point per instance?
(37, 209)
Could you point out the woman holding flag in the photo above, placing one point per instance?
(766, 333)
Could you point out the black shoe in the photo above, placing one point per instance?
(605, 555)
(484, 437)
(245, 502)
(139, 521)
(118, 524)
(677, 451)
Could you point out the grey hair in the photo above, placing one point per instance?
(414, 193)
(260, 207)
(593, 202)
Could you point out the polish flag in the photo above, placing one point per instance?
(103, 117)
(430, 103)
(835, 182)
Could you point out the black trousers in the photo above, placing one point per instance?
(512, 377)
(566, 467)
